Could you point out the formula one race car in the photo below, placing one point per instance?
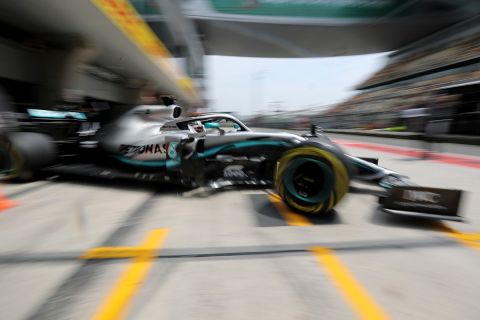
(210, 151)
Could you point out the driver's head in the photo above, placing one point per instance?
(196, 127)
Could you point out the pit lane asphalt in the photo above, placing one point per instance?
(235, 255)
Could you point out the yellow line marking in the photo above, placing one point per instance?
(114, 306)
(292, 218)
(471, 240)
(113, 253)
(362, 303)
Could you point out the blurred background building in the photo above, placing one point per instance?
(440, 72)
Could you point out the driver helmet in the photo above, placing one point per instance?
(196, 127)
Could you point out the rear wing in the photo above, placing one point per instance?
(56, 115)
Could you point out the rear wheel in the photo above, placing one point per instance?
(311, 180)
(23, 153)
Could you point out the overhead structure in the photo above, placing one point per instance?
(97, 48)
(115, 50)
(314, 28)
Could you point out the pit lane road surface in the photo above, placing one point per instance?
(95, 249)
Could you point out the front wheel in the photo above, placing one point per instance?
(311, 180)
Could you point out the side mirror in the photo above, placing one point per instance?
(315, 130)
(236, 126)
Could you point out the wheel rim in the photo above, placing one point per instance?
(309, 180)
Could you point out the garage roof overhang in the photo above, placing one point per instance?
(122, 41)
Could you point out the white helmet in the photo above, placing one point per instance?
(196, 127)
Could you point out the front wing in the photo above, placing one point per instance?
(399, 195)
(423, 202)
